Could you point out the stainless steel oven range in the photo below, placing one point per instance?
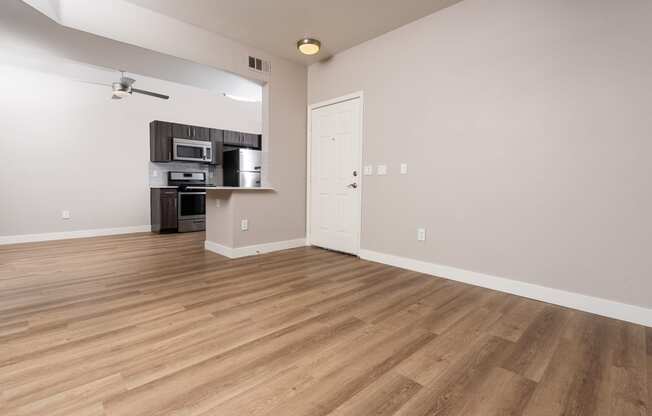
(191, 206)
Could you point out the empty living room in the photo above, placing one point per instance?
(341, 208)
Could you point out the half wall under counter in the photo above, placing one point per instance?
(226, 208)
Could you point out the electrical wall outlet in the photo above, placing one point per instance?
(217, 203)
(403, 168)
(369, 170)
(155, 173)
(421, 234)
(244, 225)
(381, 170)
(65, 214)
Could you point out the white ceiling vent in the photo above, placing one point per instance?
(259, 65)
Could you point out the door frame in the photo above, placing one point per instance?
(348, 97)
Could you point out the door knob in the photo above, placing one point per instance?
(352, 185)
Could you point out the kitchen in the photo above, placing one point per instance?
(197, 159)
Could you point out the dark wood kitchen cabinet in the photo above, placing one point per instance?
(253, 140)
(201, 133)
(163, 202)
(160, 141)
(184, 131)
(239, 139)
(162, 133)
(231, 138)
(217, 140)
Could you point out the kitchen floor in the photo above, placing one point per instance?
(149, 324)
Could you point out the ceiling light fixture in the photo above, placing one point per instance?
(309, 46)
(120, 90)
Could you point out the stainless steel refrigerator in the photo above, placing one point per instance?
(242, 167)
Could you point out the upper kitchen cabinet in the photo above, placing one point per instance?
(239, 139)
(183, 131)
(160, 141)
(162, 135)
(217, 140)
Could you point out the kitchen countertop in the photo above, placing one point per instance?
(219, 188)
(230, 188)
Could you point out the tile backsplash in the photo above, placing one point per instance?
(158, 172)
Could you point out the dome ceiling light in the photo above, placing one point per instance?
(309, 46)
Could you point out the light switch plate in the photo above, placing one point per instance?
(244, 225)
(369, 170)
(381, 170)
(217, 203)
(421, 234)
(403, 168)
(65, 214)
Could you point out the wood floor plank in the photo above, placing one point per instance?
(434, 359)
(449, 393)
(261, 398)
(531, 354)
(226, 374)
(147, 324)
(502, 393)
(649, 383)
(517, 319)
(382, 398)
(578, 378)
(354, 374)
(623, 390)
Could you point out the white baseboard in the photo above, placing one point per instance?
(219, 249)
(64, 235)
(236, 252)
(598, 306)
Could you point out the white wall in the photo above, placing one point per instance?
(526, 127)
(67, 145)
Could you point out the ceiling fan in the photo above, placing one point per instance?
(124, 88)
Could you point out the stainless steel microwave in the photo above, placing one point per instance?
(192, 150)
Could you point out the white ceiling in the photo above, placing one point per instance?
(276, 25)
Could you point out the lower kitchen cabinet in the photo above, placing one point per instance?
(163, 210)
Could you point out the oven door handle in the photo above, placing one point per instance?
(192, 193)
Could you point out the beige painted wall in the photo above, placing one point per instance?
(526, 128)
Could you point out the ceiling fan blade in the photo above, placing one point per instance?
(93, 82)
(152, 94)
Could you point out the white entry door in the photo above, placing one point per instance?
(335, 177)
